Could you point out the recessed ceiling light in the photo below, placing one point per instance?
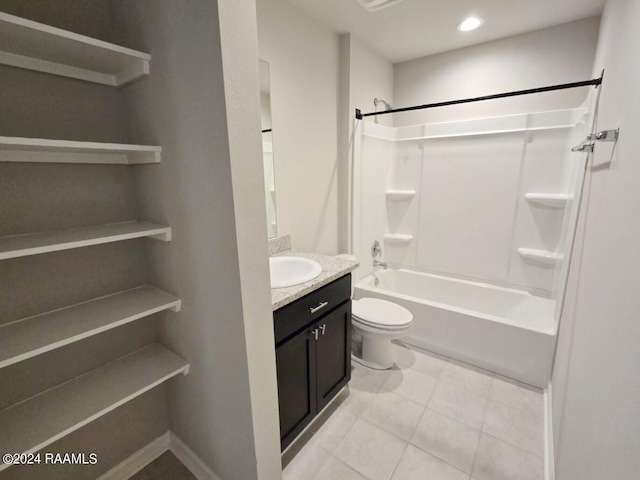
(373, 5)
(469, 24)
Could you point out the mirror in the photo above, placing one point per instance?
(267, 148)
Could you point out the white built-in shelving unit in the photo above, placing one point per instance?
(542, 256)
(41, 420)
(42, 150)
(398, 238)
(35, 46)
(35, 335)
(554, 200)
(14, 246)
(46, 417)
(399, 195)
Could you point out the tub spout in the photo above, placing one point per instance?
(376, 263)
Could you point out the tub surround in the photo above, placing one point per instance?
(332, 268)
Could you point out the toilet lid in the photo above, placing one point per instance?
(380, 313)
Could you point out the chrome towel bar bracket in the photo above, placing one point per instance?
(589, 143)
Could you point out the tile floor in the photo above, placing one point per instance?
(428, 418)
(165, 467)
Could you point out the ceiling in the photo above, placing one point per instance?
(417, 28)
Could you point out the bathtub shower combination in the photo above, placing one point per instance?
(477, 220)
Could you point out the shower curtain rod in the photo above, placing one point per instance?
(595, 82)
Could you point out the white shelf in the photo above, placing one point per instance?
(36, 46)
(398, 238)
(542, 256)
(41, 420)
(33, 336)
(555, 200)
(400, 194)
(19, 149)
(36, 243)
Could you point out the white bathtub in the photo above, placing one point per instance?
(507, 331)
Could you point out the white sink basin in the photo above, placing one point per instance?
(289, 271)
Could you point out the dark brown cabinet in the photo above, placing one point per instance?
(313, 354)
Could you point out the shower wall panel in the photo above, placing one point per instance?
(468, 204)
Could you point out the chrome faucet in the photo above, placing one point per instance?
(376, 251)
(376, 263)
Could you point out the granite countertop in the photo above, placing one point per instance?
(332, 268)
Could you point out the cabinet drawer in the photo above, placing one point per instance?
(304, 311)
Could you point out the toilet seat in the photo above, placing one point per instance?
(380, 314)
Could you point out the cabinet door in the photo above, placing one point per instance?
(333, 353)
(296, 366)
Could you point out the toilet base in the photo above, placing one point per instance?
(376, 353)
(373, 366)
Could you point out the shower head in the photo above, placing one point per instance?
(387, 105)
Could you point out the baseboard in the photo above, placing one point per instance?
(147, 454)
(549, 460)
(190, 460)
(140, 459)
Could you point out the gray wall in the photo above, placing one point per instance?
(596, 386)
(304, 60)
(41, 197)
(210, 190)
(559, 54)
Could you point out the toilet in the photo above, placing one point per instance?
(377, 322)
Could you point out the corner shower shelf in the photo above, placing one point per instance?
(543, 256)
(555, 200)
(400, 194)
(35, 243)
(41, 420)
(19, 149)
(36, 46)
(35, 335)
(398, 238)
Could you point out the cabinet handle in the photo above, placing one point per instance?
(319, 307)
(314, 332)
(323, 328)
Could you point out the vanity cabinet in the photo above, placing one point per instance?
(313, 354)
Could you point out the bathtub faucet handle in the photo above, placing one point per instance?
(376, 249)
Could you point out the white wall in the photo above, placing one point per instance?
(371, 76)
(303, 58)
(596, 386)
(365, 75)
(550, 56)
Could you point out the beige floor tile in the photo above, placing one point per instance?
(411, 384)
(394, 413)
(514, 426)
(498, 460)
(447, 439)
(468, 377)
(460, 404)
(421, 360)
(306, 463)
(376, 377)
(370, 450)
(517, 395)
(418, 465)
(358, 396)
(336, 426)
(334, 469)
